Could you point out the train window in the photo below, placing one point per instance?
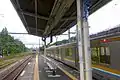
(57, 52)
(95, 55)
(94, 52)
(101, 55)
(105, 55)
(102, 51)
(68, 51)
(107, 51)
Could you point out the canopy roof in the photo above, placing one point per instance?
(50, 17)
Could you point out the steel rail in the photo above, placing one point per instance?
(13, 75)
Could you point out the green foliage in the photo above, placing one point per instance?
(9, 45)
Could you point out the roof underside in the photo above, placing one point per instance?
(50, 17)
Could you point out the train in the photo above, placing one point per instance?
(112, 31)
(104, 60)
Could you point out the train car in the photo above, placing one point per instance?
(65, 53)
(104, 60)
(34, 51)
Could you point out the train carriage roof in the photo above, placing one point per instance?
(63, 45)
(50, 17)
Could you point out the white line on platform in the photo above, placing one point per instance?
(28, 63)
(22, 73)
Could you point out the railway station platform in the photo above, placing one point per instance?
(62, 73)
(38, 69)
(28, 72)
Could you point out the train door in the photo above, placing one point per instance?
(105, 55)
(59, 49)
(95, 55)
(68, 54)
(62, 53)
(57, 53)
(76, 57)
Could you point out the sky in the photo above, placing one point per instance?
(105, 18)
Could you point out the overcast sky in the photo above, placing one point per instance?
(105, 18)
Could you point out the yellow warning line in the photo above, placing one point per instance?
(68, 74)
(99, 66)
(36, 73)
(107, 69)
(69, 60)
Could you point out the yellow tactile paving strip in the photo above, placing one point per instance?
(36, 70)
(101, 67)
(69, 60)
(106, 69)
(68, 74)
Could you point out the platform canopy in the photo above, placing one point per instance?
(50, 17)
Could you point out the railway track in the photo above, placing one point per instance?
(13, 74)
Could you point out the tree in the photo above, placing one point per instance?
(9, 45)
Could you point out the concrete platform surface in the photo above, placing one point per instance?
(46, 74)
(28, 72)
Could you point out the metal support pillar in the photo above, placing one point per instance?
(39, 46)
(45, 50)
(36, 20)
(56, 38)
(87, 53)
(69, 35)
(80, 39)
(83, 40)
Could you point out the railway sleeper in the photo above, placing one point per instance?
(14, 73)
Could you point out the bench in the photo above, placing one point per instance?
(52, 68)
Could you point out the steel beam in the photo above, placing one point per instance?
(66, 20)
(33, 15)
(71, 24)
(22, 15)
(25, 44)
(98, 5)
(52, 14)
(46, 18)
(16, 33)
(36, 15)
(64, 6)
(69, 18)
(37, 29)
